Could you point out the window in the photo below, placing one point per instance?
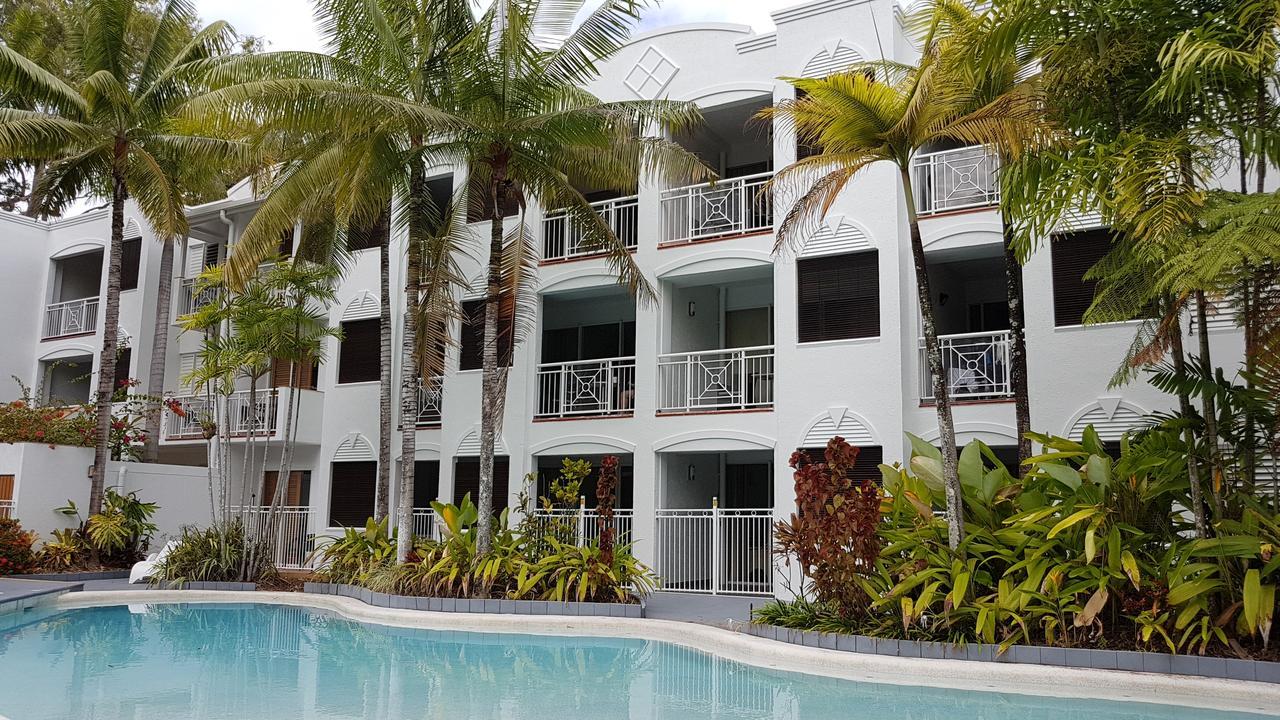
(360, 353)
(286, 243)
(471, 357)
(839, 297)
(351, 490)
(466, 479)
(130, 261)
(212, 254)
(426, 482)
(1073, 254)
(6, 488)
(124, 357)
(866, 467)
(304, 374)
(589, 342)
(296, 494)
(362, 237)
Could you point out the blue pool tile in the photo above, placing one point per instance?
(1212, 667)
(887, 646)
(1185, 665)
(1266, 672)
(1241, 669)
(864, 644)
(1053, 656)
(1128, 660)
(1157, 662)
(1079, 658)
(1104, 659)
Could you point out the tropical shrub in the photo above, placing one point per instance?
(353, 557)
(116, 537)
(16, 548)
(65, 551)
(23, 421)
(586, 573)
(219, 553)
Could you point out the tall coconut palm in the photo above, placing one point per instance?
(110, 135)
(362, 117)
(881, 112)
(527, 130)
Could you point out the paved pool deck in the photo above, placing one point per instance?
(17, 591)
(714, 610)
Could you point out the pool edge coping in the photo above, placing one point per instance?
(974, 675)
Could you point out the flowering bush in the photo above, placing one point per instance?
(16, 554)
(23, 421)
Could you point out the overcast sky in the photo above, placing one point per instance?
(287, 24)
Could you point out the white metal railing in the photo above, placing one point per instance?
(430, 400)
(738, 378)
(728, 207)
(191, 300)
(72, 317)
(581, 525)
(240, 415)
(423, 523)
(289, 534)
(7, 509)
(977, 366)
(956, 179)
(586, 387)
(562, 238)
(720, 550)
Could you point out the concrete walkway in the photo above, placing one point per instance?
(15, 591)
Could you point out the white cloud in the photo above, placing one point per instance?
(289, 24)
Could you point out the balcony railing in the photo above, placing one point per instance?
(423, 522)
(72, 317)
(728, 207)
(241, 417)
(586, 387)
(562, 238)
(430, 400)
(956, 179)
(6, 509)
(190, 299)
(736, 379)
(977, 366)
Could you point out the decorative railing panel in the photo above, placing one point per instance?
(562, 238)
(728, 207)
(241, 416)
(287, 530)
(957, 179)
(586, 387)
(190, 299)
(977, 366)
(73, 317)
(430, 401)
(739, 378)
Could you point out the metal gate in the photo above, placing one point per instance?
(293, 542)
(720, 550)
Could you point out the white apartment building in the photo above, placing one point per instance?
(746, 356)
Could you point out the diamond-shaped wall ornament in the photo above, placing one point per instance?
(651, 74)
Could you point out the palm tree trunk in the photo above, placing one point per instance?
(159, 348)
(941, 389)
(409, 360)
(1017, 351)
(1207, 403)
(110, 323)
(491, 384)
(382, 501)
(35, 196)
(1193, 466)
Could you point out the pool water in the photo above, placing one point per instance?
(217, 662)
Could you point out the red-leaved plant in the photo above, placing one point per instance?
(833, 535)
(606, 490)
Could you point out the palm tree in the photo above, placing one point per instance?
(526, 131)
(360, 118)
(110, 135)
(881, 112)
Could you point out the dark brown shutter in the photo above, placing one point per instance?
(123, 358)
(130, 262)
(426, 482)
(296, 494)
(359, 356)
(839, 297)
(304, 374)
(466, 479)
(470, 351)
(351, 492)
(1073, 254)
(867, 467)
(6, 487)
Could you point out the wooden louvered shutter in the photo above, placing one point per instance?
(359, 356)
(867, 466)
(6, 487)
(1072, 255)
(304, 374)
(296, 494)
(839, 296)
(130, 263)
(466, 479)
(426, 482)
(351, 493)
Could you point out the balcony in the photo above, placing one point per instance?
(241, 417)
(959, 179)
(190, 299)
(734, 206)
(977, 366)
(430, 400)
(586, 387)
(562, 238)
(6, 509)
(73, 317)
(732, 379)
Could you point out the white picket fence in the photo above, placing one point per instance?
(716, 550)
(291, 541)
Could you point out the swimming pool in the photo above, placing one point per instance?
(223, 661)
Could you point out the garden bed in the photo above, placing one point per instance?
(1130, 661)
(477, 605)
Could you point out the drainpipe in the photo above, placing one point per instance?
(121, 472)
